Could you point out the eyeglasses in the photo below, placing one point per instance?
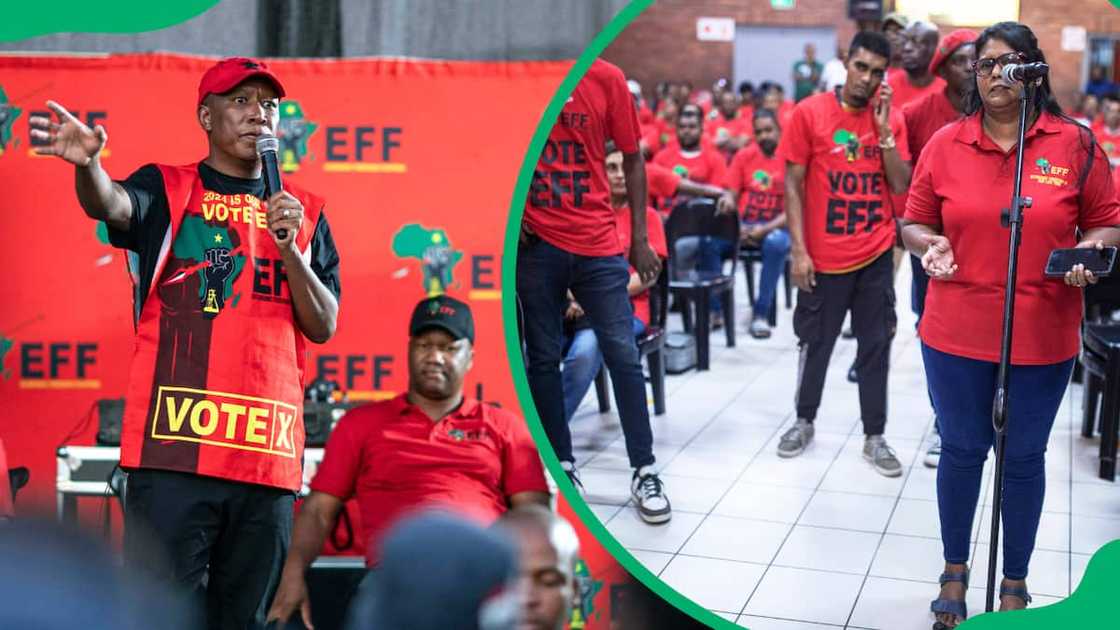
(985, 66)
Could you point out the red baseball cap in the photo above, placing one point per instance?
(229, 73)
(949, 45)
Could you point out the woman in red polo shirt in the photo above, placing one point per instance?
(962, 180)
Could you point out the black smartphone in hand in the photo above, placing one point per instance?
(1099, 261)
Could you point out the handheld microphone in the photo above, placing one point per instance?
(267, 147)
(1024, 72)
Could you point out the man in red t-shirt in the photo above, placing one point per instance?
(691, 155)
(953, 63)
(919, 43)
(756, 182)
(582, 359)
(431, 447)
(728, 129)
(1108, 134)
(570, 243)
(845, 154)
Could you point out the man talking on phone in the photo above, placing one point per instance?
(229, 284)
(845, 152)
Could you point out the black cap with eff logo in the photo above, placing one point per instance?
(445, 313)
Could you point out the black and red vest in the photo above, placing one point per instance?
(216, 384)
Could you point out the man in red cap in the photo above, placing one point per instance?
(952, 64)
(229, 283)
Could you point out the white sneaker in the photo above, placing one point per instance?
(933, 454)
(648, 492)
(573, 476)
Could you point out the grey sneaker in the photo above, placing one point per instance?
(649, 495)
(933, 455)
(760, 328)
(795, 440)
(881, 456)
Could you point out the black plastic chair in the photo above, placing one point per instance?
(18, 478)
(651, 347)
(751, 256)
(698, 217)
(1100, 360)
(1100, 354)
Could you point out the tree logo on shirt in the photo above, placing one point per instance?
(292, 132)
(762, 179)
(6, 346)
(8, 115)
(1052, 174)
(587, 589)
(681, 170)
(433, 249)
(849, 141)
(217, 260)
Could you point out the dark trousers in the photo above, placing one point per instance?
(919, 285)
(223, 541)
(544, 275)
(817, 320)
(963, 390)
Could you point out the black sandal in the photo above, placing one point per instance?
(957, 607)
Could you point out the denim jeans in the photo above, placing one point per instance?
(775, 248)
(582, 361)
(963, 390)
(544, 275)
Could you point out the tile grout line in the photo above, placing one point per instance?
(800, 514)
(886, 526)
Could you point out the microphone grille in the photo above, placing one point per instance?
(267, 143)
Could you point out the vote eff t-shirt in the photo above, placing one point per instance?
(569, 200)
(845, 208)
(760, 182)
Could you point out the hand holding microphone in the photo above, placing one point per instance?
(285, 212)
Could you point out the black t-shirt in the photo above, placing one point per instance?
(151, 218)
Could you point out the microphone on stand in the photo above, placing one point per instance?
(267, 147)
(1024, 72)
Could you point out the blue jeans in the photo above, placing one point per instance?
(544, 275)
(582, 361)
(963, 390)
(775, 248)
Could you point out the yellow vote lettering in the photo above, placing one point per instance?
(255, 423)
(211, 411)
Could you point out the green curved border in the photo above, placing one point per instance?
(28, 19)
(509, 318)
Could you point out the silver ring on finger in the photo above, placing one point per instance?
(286, 213)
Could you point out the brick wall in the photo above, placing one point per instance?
(661, 43)
(1047, 17)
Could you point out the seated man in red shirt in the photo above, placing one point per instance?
(582, 358)
(430, 447)
(728, 129)
(690, 155)
(1108, 134)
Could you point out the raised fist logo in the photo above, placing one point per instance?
(219, 266)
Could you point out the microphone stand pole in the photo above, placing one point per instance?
(1012, 219)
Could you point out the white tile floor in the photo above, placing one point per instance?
(820, 541)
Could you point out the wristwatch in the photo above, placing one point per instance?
(887, 142)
